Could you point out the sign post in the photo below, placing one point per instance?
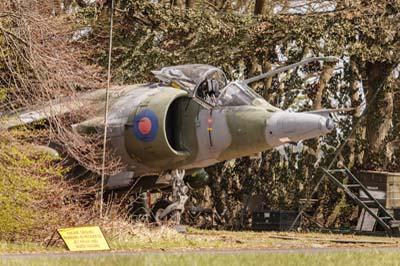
(87, 238)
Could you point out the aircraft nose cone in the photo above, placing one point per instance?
(284, 127)
(326, 124)
(329, 124)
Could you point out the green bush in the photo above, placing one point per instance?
(25, 175)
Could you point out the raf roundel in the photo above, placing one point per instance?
(145, 125)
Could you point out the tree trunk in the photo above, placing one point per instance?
(190, 3)
(254, 70)
(393, 148)
(66, 4)
(323, 81)
(379, 117)
(260, 7)
(355, 153)
(177, 3)
(81, 3)
(254, 66)
(242, 6)
(267, 66)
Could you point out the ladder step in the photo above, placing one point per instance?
(351, 185)
(387, 222)
(309, 200)
(368, 201)
(337, 171)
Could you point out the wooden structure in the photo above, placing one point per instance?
(384, 186)
(374, 196)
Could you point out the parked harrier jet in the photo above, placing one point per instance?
(191, 119)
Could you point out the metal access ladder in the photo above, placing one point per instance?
(383, 217)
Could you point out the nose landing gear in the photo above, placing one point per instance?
(163, 210)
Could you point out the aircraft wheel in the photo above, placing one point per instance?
(158, 209)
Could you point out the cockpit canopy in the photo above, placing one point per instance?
(237, 94)
(208, 86)
(191, 76)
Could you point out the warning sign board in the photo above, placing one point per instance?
(84, 238)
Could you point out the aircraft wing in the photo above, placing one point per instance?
(52, 109)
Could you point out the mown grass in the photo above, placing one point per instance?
(348, 258)
(6, 247)
(139, 237)
(153, 241)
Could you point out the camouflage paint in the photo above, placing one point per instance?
(247, 128)
(156, 153)
(201, 137)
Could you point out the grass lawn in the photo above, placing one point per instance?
(142, 238)
(25, 248)
(349, 258)
(156, 240)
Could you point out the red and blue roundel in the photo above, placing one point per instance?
(145, 125)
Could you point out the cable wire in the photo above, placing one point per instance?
(106, 109)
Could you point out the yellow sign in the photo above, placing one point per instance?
(84, 238)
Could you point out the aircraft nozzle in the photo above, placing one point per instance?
(286, 127)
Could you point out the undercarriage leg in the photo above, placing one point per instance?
(179, 194)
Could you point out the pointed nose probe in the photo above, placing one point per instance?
(284, 127)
